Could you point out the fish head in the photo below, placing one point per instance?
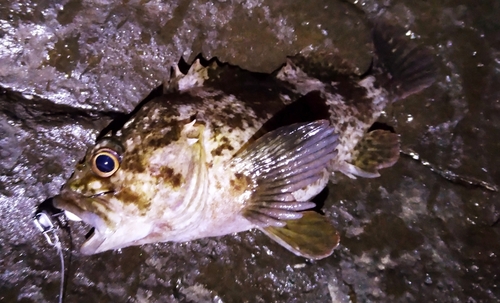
(90, 195)
(132, 185)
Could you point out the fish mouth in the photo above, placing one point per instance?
(75, 207)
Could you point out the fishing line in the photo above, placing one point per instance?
(61, 257)
(44, 224)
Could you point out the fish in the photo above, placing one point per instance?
(224, 150)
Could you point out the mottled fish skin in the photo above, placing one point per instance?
(173, 183)
(176, 180)
(352, 109)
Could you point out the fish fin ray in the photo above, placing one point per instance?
(281, 163)
(409, 67)
(184, 76)
(376, 150)
(312, 236)
(353, 171)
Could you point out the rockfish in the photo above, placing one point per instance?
(224, 150)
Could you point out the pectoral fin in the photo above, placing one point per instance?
(282, 162)
(311, 236)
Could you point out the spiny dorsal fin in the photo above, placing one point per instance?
(312, 236)
(195, 76)
(282, 162)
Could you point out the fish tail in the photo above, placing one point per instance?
(404, 68)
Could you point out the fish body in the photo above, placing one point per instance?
(225, 150)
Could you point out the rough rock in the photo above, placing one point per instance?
(426, 231)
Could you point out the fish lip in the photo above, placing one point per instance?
(66, 201)
(93, 243)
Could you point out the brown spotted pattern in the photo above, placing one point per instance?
(174, 180)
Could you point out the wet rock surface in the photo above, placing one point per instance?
(426, 231)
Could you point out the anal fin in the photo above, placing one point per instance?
(312, 236)
(376, 150)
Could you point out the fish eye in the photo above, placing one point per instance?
(105, 162)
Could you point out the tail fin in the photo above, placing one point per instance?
(408, 68)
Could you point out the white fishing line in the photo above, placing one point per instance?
(44, 224)
(58, 246)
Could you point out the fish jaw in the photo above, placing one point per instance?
(115, 239)
(108, 231)
(78, 206)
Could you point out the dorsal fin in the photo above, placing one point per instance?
(184, 77)
(324, 66)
